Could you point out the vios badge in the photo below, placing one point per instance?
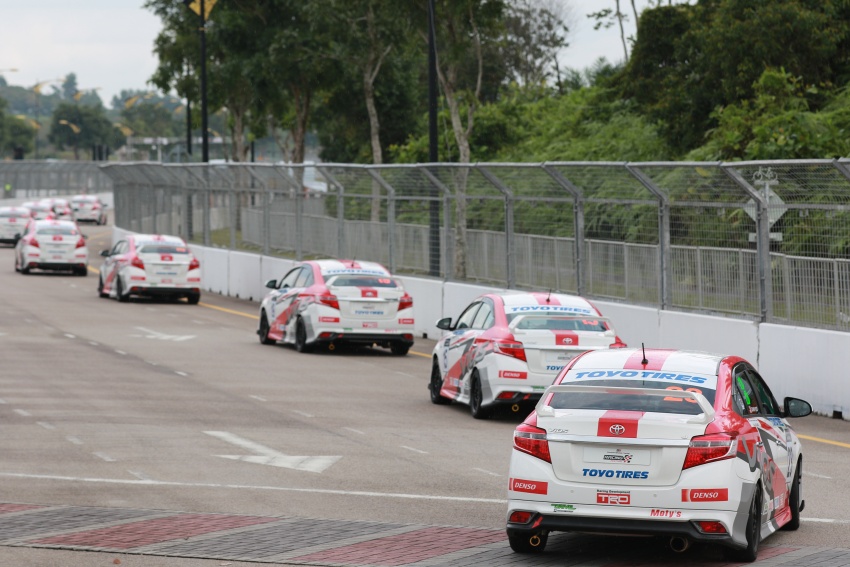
(617, 429)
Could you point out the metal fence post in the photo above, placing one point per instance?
(340, 209)
(510, 260)
(578, 223)
(390, 216)
(663, 233)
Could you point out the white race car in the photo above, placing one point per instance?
(689, 446)
(52, 245)
(505, 348)
(88, 208)
(326, 302)
(151, 265)
(13, 221)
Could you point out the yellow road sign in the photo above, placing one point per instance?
(195, 6)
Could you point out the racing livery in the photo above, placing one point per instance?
(61, 207)
(506, 348)
(153, 265)
(52, 245)
(88, 208)
(687, 445)
(326, 302)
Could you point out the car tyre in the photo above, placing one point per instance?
(119, 291)
(795, 500)
(524, 542)
(82, 272)
(435, 384)
(301, 337)
(100, 291)
(193, 298)
(476, 398)
(751, 552)
(264, 329)
(399, 348)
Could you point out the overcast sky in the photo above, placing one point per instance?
(108, 43)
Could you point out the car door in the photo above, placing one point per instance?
(282, 303)
(778, 440)
(458, 348)
(112, 263)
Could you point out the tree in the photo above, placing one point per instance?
(534, 35)
(82, 126)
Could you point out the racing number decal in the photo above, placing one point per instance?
(679, 389)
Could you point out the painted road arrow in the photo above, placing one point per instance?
(268, 456)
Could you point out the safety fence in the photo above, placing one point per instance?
(767, 241)
(35, 179)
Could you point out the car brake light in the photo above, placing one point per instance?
(194, 264)
(95, 207)
(710, 448)
(520, 517)
(81, 242)
(618, 343)
(711, 527)
(329, 300)
(405, 302)
(34, 243)
(510, 347)
(136, 262)
(530, 439)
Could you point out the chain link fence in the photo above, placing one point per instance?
(37, 179)
(766, 241)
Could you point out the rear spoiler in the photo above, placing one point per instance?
(707, 415)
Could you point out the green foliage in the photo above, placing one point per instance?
(79, 126)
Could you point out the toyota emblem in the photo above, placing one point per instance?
(617, 429)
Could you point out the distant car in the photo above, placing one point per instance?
(88, 208)
(41, 211)
(61, 207)
(505, 348)
(52, 245)
(150, 265)
(329, 302)
(13, 221)
(689, 446)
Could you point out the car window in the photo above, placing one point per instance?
(350, 280)
(468, 316)
(484, 319)
(290, 278)
(119, 248)
(305, 278)
(56, 231)
(163, 248)
(631, 401)
(768, 402)
(743, 394)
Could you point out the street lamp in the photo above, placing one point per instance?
(203, 8)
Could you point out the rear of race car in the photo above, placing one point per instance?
(88, 209)
(582, 464)
(55, 246)
(362, 307)
(13, 220)
(163, 268)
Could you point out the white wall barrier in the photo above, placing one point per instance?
(797, 361)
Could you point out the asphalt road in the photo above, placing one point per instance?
(167, 406)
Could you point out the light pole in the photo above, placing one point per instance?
(203, 9)
(433, 154)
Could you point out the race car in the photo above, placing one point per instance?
(61, 207)
(689, 446)
(505, 348)
(330, 302)
(150, 265)
(41, 211)
(13, 221)
(88, 208)
(52, 245)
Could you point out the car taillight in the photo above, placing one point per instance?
(710, 448)
(406, 302)
(34, 243)
(509, 347)
(329, 300)
(81, 242)
(194, 264)
(530, 439)
(95, 207)
(136, 262)
(618, 343)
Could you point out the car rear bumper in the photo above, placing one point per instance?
(57, 265)
(325, 336)
(148, 290)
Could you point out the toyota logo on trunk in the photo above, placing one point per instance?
(617, 429)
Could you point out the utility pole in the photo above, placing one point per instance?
(433, 154)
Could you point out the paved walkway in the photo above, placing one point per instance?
(301, 541)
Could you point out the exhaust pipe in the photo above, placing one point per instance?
(515, 408)
(331, 346)
(679, 544)
(535, 541)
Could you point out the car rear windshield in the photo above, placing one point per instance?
(352, 280)
(83, 199)
(163, 248)
(559, 323)
(631, 401)
(10, 215)
(57, 230)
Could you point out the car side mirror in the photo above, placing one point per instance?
(104, 253)
(795, 407)
(445, 324)
(271, 284)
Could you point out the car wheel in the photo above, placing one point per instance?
(435, 384)
(25, 270)
(193, 298)
(301, 337)
(399, 349)
(119, 291)
(264, 329)
(795, 499)
(524, 542)
(751, 552)
(82, 272)
(100, 291)
(476, 397)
